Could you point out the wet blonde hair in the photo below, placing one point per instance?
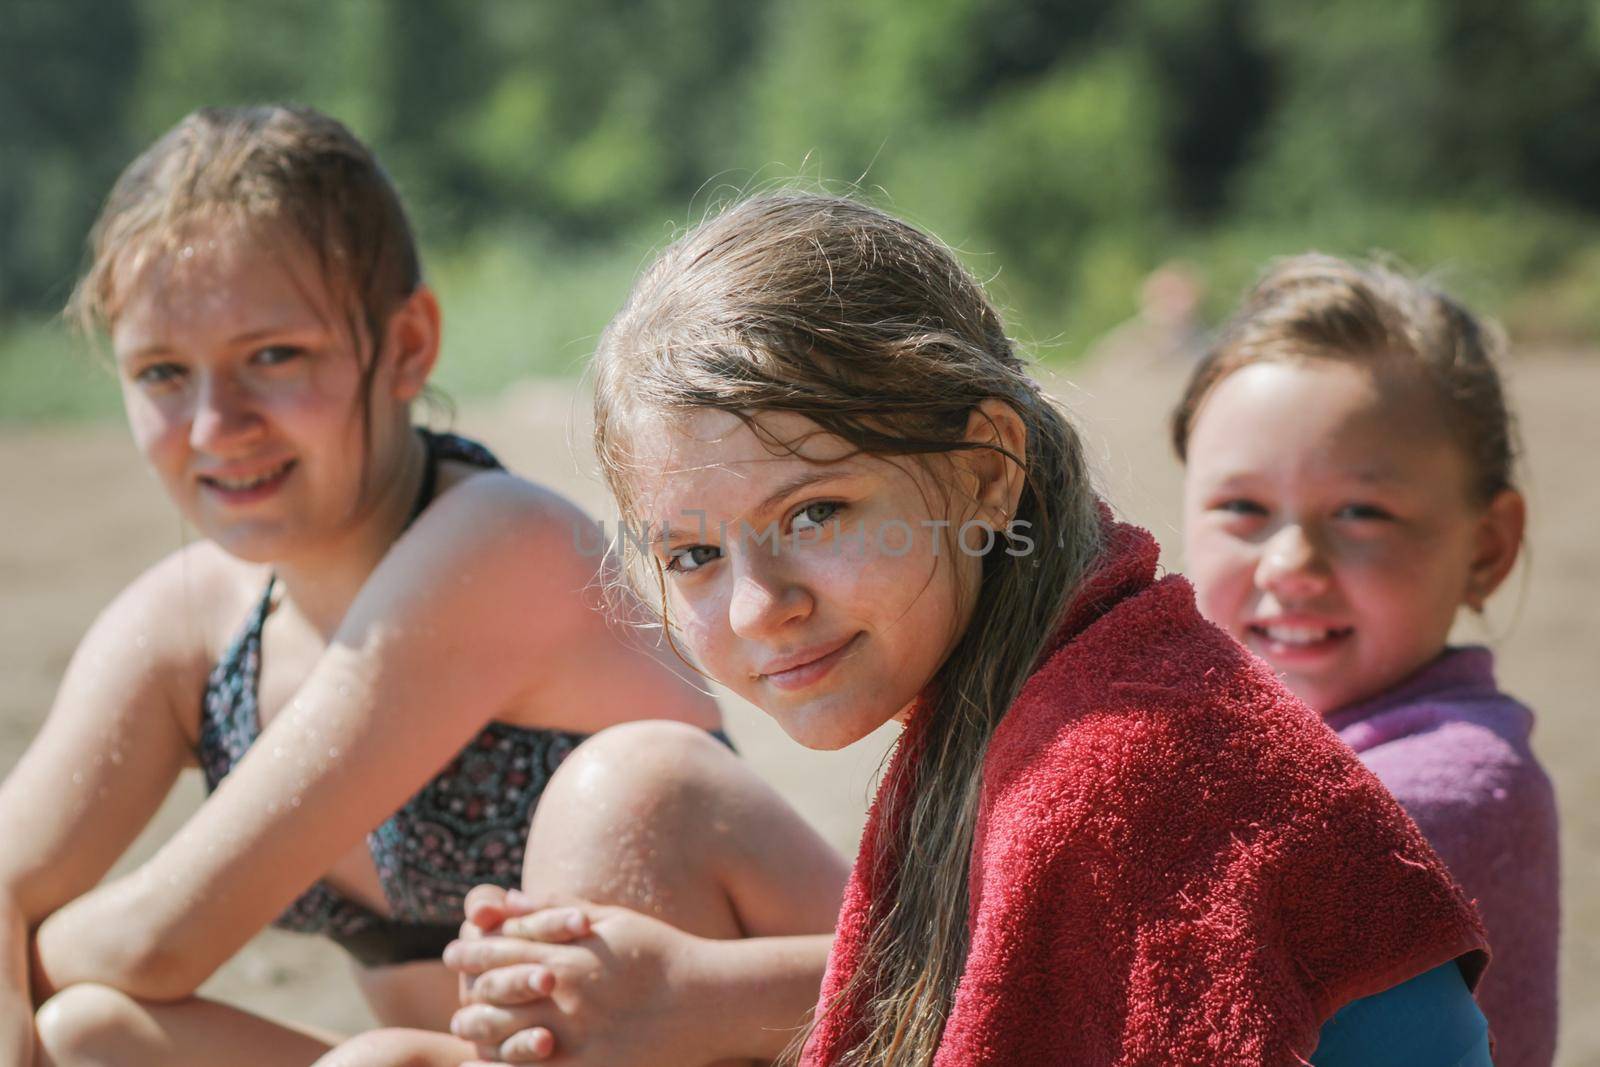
(278, 172)
(831, 309)
(1316, 306)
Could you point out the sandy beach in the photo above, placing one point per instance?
(81, 517)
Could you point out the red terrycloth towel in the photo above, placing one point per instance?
(1175, 861)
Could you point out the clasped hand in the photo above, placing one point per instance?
(593, 984)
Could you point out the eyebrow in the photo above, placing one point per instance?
(161, 348)
(787, 489)
(1239, 481)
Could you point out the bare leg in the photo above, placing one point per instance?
(664, 819)
(94, 1024)
(97, 1026)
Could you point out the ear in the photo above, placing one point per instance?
(1500, 530)
(995, 480)
(413, 338)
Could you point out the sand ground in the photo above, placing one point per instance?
(79, 517)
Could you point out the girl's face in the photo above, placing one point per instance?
(826, 593)
(1329, 526)
(243, 387)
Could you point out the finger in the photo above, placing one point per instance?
(521, 902)
(509, 986)
(485, 954)
(528, 1046)
(555, 925)
(485, 1024)
(485, 902)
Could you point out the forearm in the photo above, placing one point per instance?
(757, 993)
(109, 936)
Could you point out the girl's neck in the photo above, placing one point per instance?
(320, 584)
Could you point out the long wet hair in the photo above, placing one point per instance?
(828, 308)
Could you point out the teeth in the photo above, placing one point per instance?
(1298, 635)
(238, 484)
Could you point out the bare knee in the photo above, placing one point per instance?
(631, 818)
(89, 1025)
(638, 770)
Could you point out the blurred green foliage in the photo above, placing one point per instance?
(1066, 146)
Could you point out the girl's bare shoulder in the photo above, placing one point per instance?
(497, 552)
(508, 521)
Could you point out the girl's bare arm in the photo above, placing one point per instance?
(454, 625)
(96, 772)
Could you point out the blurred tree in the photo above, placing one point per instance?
(601, 115)
(1214, 78)
(1076, 140)
(68, 66)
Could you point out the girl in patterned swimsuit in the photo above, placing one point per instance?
(377, 654)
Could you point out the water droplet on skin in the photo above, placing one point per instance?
(344, 690)
(294, 802)
(141, 641)
(188, 252)
(77, 777)
(333, 753)
(272, 807)
(277, 752)
(116, 755)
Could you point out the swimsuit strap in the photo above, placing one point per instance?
(430, 476)
(443, 446)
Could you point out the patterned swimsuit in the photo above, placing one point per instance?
(466, 826)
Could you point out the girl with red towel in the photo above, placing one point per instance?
(1108, 835)
(1349, 488)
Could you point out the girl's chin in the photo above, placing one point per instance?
(827, 731)
(249, 545)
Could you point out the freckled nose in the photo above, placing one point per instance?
(1291, 564)
(763, 601)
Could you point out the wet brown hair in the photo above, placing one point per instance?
(276, 170)
(1316, 306)
(831, 309)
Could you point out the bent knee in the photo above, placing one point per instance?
(654, 775)
(88, 1025)
(643, 757)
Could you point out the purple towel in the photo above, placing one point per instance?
(1454, 751)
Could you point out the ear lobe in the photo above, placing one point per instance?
(1500, 531)
(414, 334)
(999, 481)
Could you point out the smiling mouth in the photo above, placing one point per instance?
(803, 674)
(1300, 636)
(254, 481)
